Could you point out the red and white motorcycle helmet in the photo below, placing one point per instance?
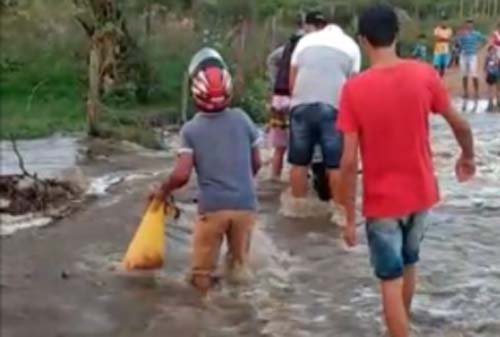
(210, 81)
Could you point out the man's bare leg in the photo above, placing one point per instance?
(409, 284)
(491, 98)
(465, 85)
(277, 162)
(298, 181)
(442, 70)
(475, 82)
(338, 210)
(395, 314)
(334, 182)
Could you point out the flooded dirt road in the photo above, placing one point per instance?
(65, 280)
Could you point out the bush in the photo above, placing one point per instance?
(254, 99)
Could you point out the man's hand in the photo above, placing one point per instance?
(349, 235)
(178, 178)
(158, 193)
(465, 169)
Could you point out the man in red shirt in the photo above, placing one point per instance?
(384, 113)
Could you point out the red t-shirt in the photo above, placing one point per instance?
(389, 108)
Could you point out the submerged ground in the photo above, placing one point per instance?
(65, 280)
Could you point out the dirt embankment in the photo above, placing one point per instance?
(21, 194)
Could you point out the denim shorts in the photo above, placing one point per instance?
(395, 243)
(493, 78)
(442, 60)
(310, 125)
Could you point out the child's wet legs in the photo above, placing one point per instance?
(239, 240)
(277, 162)
(207, 239)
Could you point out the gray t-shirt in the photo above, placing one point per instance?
(324, 61)
(222, 144)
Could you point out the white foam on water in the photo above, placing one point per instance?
(99, 186)
(10, 224)
(308, 207)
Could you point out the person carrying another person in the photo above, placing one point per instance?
(221, 144)
(420, 50)
(384, 115)
(278, 64)
(443, 35)
(321, 63)
(470, 41)
(492, 71)
(495, 39)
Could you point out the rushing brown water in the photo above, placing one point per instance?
(305, 282)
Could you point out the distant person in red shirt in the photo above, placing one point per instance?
(384, 113)
(495, 39)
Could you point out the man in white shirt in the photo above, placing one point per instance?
(322, 62)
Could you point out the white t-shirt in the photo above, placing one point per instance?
(324, 61)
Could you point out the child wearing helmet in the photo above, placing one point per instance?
(221, 144)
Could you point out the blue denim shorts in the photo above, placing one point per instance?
(395, 243)
(441, 60)
(310, 125)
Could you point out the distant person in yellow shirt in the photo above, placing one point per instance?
(443, 35)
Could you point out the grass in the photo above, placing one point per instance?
(44, 118)
(40, 96)
(43, 80)
(43, 75)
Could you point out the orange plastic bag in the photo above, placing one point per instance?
(146, 250)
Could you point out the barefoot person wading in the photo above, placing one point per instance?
(384, 113)
(220, 144)
(321, 63)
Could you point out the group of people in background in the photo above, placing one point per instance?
(323, 107)
(338, 114)
(462, 48)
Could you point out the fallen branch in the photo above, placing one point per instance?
(20, 160)
(37, 182)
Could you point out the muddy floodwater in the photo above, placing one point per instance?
(66, 280)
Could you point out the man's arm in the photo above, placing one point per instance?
(348, 176)
(356, 69)
(179, 176)
(293, 77)
(482, 40)
(465, 168)
(256, 160)
(273, 63)
(462, 131)
(294, 65)
(255, 140)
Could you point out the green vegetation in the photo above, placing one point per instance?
(44, 59)
(41, 96)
